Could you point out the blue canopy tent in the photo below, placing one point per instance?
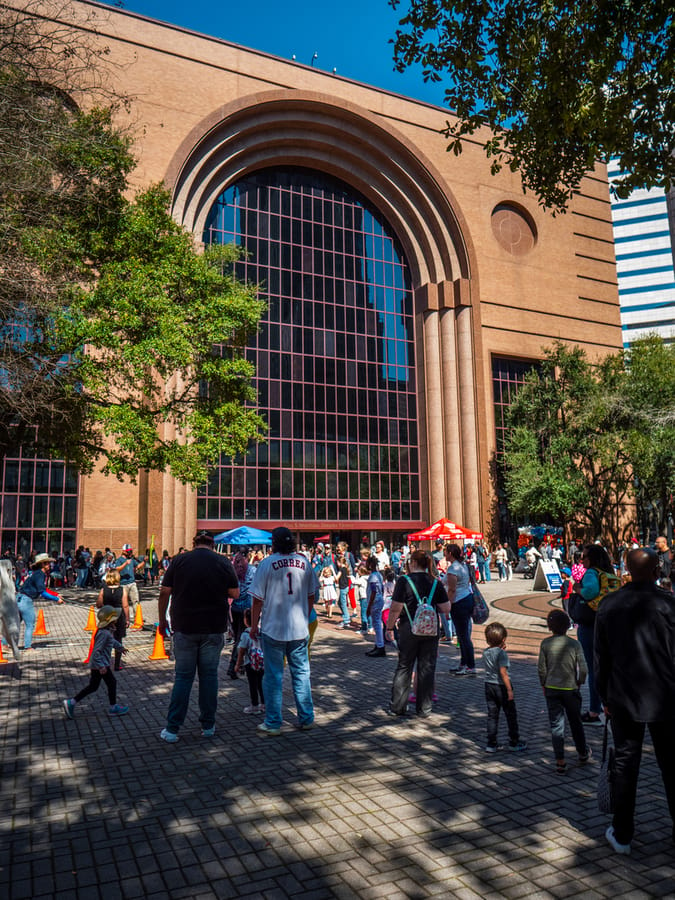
(244, 535)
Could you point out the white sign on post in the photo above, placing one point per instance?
(547, 576)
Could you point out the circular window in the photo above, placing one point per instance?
(514, 229)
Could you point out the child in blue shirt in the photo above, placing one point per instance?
(499, 690)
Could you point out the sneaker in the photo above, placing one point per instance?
(561, 768)
(264, 729)
(251, 709)
(376, 651)
(624, 849)
(394, 715)
(589, 719)
(459, 670)
(584, 757)
(493, 749)
(470, 672)
(345, 625)
(306, 726)
(520, 747)
(118, 710)
(168, 736)
(208, 732)
(69, 708)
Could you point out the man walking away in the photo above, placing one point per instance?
(635, 676)
(283, 592)
(199, 584)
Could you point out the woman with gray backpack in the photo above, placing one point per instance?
(418, 598)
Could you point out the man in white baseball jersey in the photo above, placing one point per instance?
(283, 592)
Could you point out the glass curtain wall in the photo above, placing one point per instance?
(335, 357)
(38, 500)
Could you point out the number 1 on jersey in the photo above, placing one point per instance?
(290, 583)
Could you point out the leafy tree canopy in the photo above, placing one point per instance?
(561, 84)
(564, 459)
(645, 407)
(109, 315)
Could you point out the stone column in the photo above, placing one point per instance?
(451, 418)
(434, 416)
(471, 475)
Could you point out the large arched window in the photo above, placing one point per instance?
(335, 357)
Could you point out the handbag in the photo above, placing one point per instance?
(480, 611)
(606, 775)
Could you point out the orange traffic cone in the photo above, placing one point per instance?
(40, 627)
(91, 650)
(158, 651)
(2, 658)
(138, 618)
(91, 621)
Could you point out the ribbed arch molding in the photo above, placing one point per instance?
(292, 128)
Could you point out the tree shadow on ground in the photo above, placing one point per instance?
(100, 807)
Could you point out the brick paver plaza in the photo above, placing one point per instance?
(362, 806)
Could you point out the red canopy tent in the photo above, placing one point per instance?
(445, 530)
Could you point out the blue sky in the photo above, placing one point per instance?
(349, 35)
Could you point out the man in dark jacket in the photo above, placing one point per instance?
(635, 676)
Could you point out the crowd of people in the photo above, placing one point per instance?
(410, 602)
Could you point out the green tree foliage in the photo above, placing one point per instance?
(645, 407)
(564, 458)
(109, 315)
(560, 83)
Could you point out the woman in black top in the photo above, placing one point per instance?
(413, 648)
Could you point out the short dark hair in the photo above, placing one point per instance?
(283, 540)
(495, 634)
(558, 621)
(202, 539)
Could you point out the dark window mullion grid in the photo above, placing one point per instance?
(384, 255)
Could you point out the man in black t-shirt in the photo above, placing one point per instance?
(200, 585)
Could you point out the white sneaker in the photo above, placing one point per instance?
(168, 736)
(251, 709)
(623, 849)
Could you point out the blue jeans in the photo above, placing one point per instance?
(195, 653)
(81, 579)
(343, 600)
(446, 624)
(461, 619)
(27, 614)
(376, 616)
(295, 653)
(586, 636)
(365, 618)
